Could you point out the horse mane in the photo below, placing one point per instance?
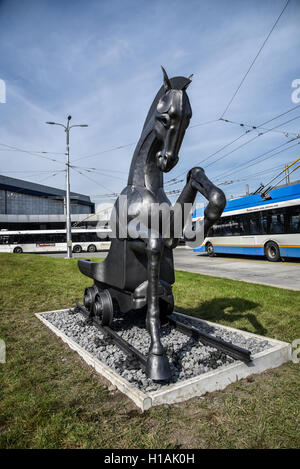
(178, 83)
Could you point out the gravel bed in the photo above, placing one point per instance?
(187, 357)
(253, 344)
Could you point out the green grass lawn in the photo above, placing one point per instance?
(51, 399)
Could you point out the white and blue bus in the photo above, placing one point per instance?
(38, 241)
(253, 226)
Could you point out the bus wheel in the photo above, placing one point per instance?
(77, 248)
(92, 248)
(272, 252)
(209, 249)
(18, 250)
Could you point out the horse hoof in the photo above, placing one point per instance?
(158, 368)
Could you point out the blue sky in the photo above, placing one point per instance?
(100, 62)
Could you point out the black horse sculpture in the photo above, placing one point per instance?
(138, 271)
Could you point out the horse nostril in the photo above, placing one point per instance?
(161, 155)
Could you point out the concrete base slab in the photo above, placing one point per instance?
(218, 379)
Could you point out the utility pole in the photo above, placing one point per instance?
(287, 174)
(68, 203)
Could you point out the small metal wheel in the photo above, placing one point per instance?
(18, 250)
(103, 308)
(92, 248)
(77, 248)
(209, 249)
(272, 252)
(89, 297)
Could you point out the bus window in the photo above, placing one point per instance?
(294, 219)
(37, 238)
(273, 221)
(80, 237)
(218, 228)
(277, 224)
(228, 226)
(238, 225)
(76, 237)
(254, 223)
(58, 238)
(86, 237)
(4, 239)
(232, 227)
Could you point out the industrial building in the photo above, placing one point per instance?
(27, 205)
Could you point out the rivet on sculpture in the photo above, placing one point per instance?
(138, 271)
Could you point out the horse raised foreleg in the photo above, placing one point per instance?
(215, 196)
(157, 367)
(197, 181)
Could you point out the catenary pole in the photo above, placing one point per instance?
(68, 201)
(68, 197)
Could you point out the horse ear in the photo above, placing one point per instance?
(190, 81)
(167, 83)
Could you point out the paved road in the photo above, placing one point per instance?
(255, 270)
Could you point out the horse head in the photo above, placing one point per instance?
(172, 117)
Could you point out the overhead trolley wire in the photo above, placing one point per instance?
(254, 60)
(94, 170)
(101, 169)
(105, 151)
(297, 167)
(242, 135)
(54, 173)
(238, 88)
(31, 153)
(286, 167)
(203, 123)
(119, 147)
(249, 141)
(253, 160)
(251, 176)
(256, 127)
(30, 171)
(96, 182)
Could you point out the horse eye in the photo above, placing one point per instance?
(164, 119)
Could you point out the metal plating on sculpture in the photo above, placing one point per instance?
(138, 273)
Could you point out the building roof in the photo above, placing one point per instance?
(27, 187)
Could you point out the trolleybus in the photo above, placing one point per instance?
(53, 240)
(255, 226)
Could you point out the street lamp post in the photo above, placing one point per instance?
(68, 208)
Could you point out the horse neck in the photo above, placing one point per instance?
(143, 171)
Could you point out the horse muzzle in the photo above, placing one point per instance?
(165, 162)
